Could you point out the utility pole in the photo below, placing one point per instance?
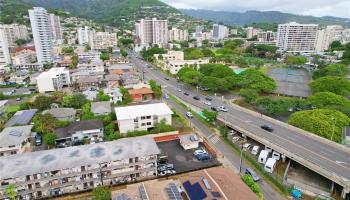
(240, 159)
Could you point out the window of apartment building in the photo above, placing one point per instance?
(143, 117)
(1, 154)
(143, 124)
(149, 123)
(148, 117)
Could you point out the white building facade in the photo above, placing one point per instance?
(5, 57)
(220, 32)
(55, 25)
(142, 117)
(103, 40)
(152, 32)
(297, 38)
(328, 35)
(14, 32)
(41, 30)
(176, 34)
(84, 35)
(53, 80)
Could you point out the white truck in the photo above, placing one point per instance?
(270, 165)
(263, 156)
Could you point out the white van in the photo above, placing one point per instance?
(269, 149)
(276, 155)
(263, 156)
(255, 150)
(270, 165)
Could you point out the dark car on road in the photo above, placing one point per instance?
(252, 173)
(267, 128)
(214, 109)
(186, 93)
(209, 98)
(166, 78)
(196, 98)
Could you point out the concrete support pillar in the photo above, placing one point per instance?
(286, 173)
(344, 193)
(332, 188)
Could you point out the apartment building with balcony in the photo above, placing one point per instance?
(297, 38)
(54, 79)
(46, 174)
(152, 32)
(142, 117)
(103, 40)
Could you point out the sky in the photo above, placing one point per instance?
(337, 8)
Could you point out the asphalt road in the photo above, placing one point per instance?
(224, 149)
(333, 161)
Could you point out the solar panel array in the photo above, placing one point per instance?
(173, 192)
(143, 192)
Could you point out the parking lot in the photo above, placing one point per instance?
(184, 160)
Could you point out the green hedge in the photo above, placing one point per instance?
(249, 181)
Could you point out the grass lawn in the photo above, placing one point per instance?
(12, 108)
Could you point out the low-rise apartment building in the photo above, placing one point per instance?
(54, 79)
(170, 55)
(45, 174)
(142, 117)
(174, 66)
(14, 140)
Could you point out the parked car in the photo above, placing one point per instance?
(38, 140)
(166, 78)
(252, 173)
(196, 98)
(276, 155)
(162, 173)
(246, 146)
(222, 108)
(166, 96)
(19, 99)
(170, 172)
(232, 132)
(214, 109)
(209, 98)
(199, 151)
(186, 93)
(203, 156)
(189, 115)
(267, 128)
(208, 103)
(255, 150)
(170, 166)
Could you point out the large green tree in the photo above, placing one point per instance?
(192, 77)
(331, 101)
(157, 90)
(101, 193)
(74, 101)
(50, 139)
(337, 85)
(42, 102)
(296, 60)
(216, 70)
(257, 80)
(249, 95)
(209, 115)
(193, 53)
(340, 70)
(45, 123)
(323, 122)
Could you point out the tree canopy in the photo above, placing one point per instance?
(50, 139)
(331, 101)
(296, 60)
(216, 70)
(323, 122)
(337, 85)
(148, 54)
(74, 101)
(45, 123)
(340, 70)
(101, 193)
(157, 90)
(249, 95)
(193, 53)
(42, 102)
(257, 80)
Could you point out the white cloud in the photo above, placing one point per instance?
(338, 8)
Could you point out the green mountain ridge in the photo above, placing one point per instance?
(250, 17)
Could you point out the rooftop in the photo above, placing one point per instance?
(61, 112)
(78, 126)
(15, 135)
(143, 90)
(131, 112)
(65, 158)
(3, 102)
(52, 73)
(101, 107)
(22, 117)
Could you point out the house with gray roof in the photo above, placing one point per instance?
(79, 130)
(114, 94)
(22, 117)
(62, 114)
(14, 140)
(101, 108)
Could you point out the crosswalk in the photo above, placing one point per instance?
(214, 138)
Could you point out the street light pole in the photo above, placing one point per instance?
(240, 160)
